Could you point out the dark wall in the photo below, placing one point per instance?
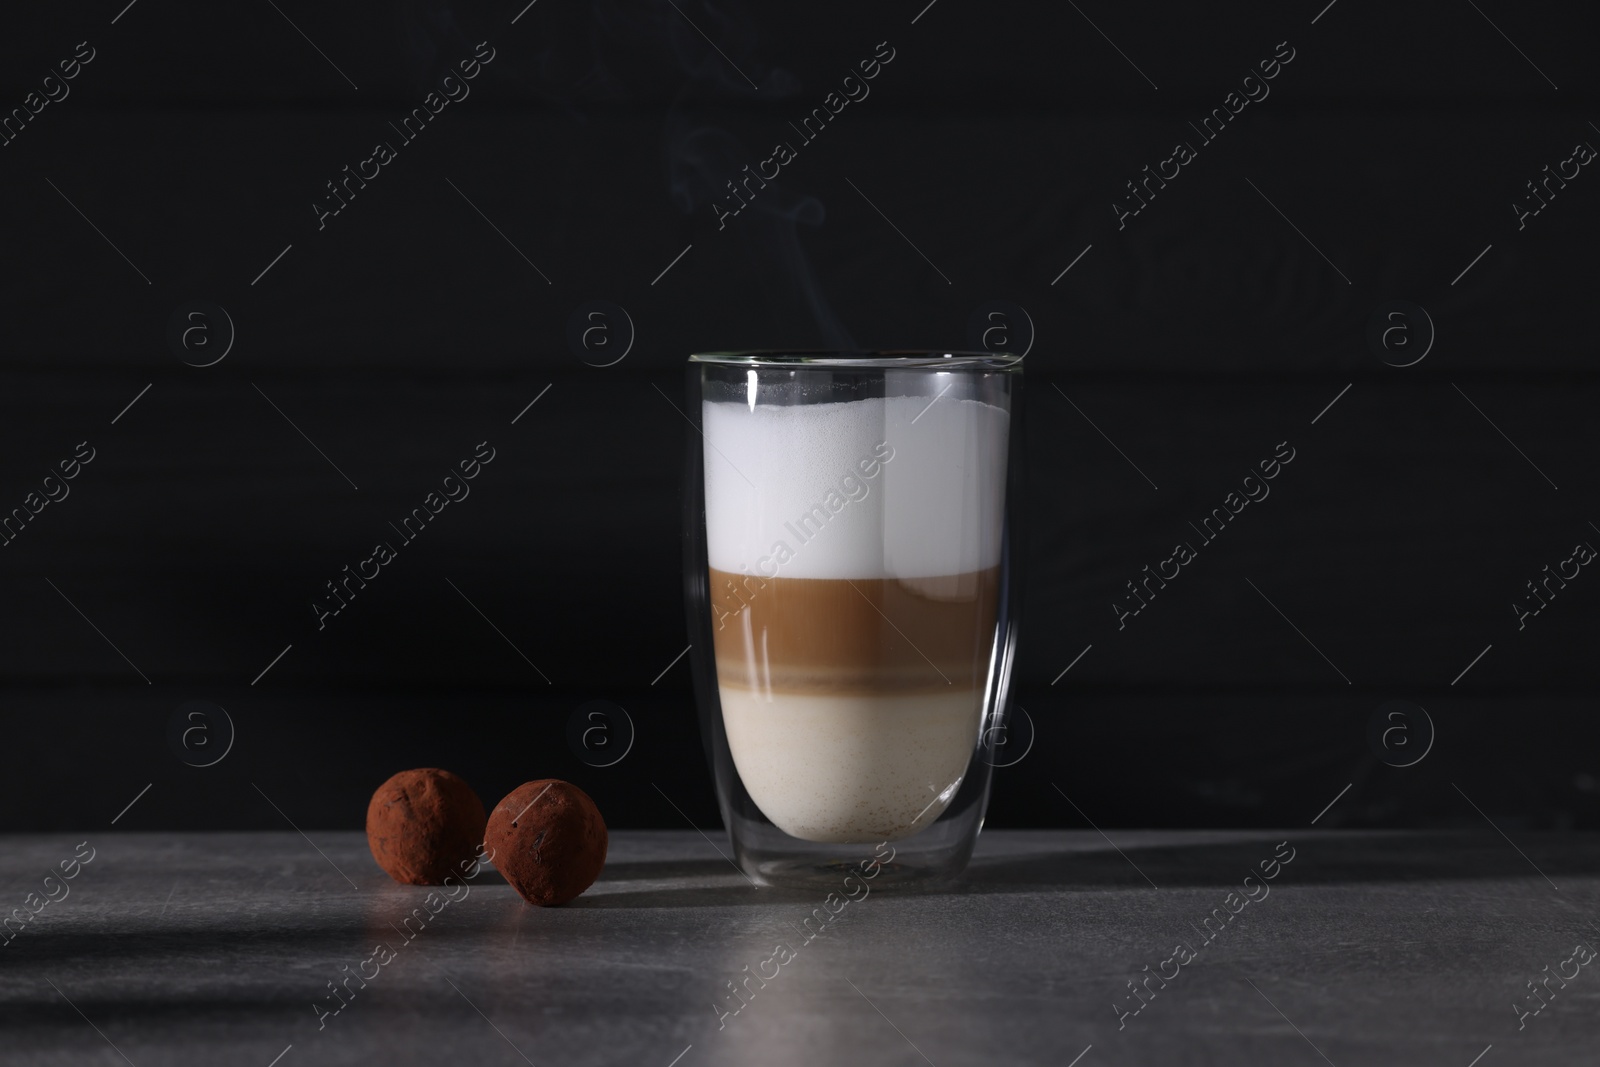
(375, 348)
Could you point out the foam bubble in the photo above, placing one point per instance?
(882, 488)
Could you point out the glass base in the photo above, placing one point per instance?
(789, 873)
(936, 856)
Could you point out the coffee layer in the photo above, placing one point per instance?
(863, 636)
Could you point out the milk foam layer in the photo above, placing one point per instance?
(851, 768)
(932, 508)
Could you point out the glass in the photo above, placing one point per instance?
(850, 587)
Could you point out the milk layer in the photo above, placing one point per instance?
(851, 769)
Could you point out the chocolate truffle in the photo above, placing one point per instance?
(548, 840)
(422, 824)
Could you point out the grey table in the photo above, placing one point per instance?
(1368, 949)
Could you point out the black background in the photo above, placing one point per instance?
(407, 330)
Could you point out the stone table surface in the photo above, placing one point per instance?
(1367, 948)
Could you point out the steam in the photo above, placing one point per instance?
(701, 162)
(695, 54)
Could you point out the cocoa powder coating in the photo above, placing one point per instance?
(547, 838)
(422, 824)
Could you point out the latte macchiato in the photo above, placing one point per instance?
(854, 554)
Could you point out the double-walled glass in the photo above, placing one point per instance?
(851, 576)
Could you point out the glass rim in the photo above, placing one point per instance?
(931, 358)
